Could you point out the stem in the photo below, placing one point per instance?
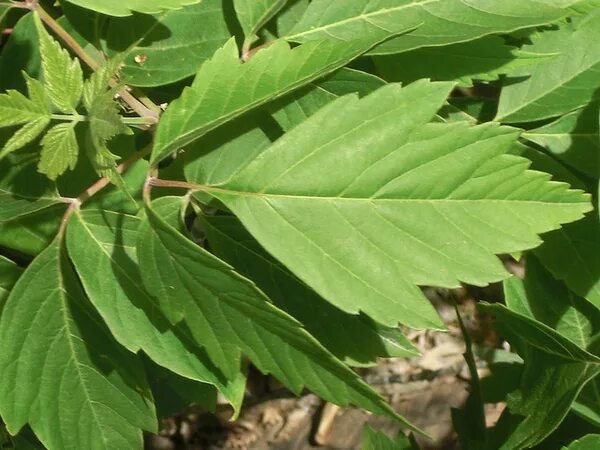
(99, 185)
(174, 184)
(124, 93)
(69, 117)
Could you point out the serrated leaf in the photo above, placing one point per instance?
(221, 306)
(436, 22)
(254, 14)
(170, 46)
(271, 73)
(23, 191)
(573, 138)
(61, 370)
(121, 8)
(484, 59)
(101, 245)
(97, 84)
(376, 440)
(9, 274)
(406, 196)
(24, 135)
(332, 327)
(560, 84)
(589, 442)
(63, 76)
(59, 150)
(16, 109)
(571, 255)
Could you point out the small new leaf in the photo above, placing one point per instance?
(59, 150)
(63, 76)
(99, 81)
(16, 109)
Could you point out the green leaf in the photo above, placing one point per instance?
(573, 138)
(589, 442)
(22, 190)
(61, 370)
(436, 22)
(254, 14)
(96, 85)
(168, 47)
(332, 327)
(59, 150)
(24, 135)
(483, 59)
(9, 274)
(20, 54)
(101, 245)
(374, 440)
(121, 8)
(202, 107)
(560, 84)
(16, 109)
(222, 307)
(391, 206)
(571, 255)
(587, 404)
(4, 9)
(63, 76)
(30, 234)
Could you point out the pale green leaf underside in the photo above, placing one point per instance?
(101, 245)
(9, 274)
(363, 211)
(61, 371)
(436, 22)
(560, 84)
(227, 307)
(161, 58)
(59, 150)
(121, 8)
(16, 109)
(25, 135)
(333, 328)
(270, 73)
(63, 77)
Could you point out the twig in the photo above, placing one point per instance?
(75, 203)
(328, 415)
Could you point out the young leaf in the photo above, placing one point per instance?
(24, 135)
(63, 76)
(436, 22)
(333, 328)
(560, 84)
(170, 46)
(573, 138)
(270, 73)
(121, 8)
(23, 191)
(101, 245)
(9, 274)
(425, 202)
(59, 150)
(96, 85)
(16, 109)
(483, 59)
(222, 307)
(254, 14)
(60, 369)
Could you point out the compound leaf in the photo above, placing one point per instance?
(122, 8)
(407, 195)
(25, 135)
(221, 306)
(63, 76)
(59, 150)
(253, 14)
(271, 73)
(16, 109)
(61, 370)
(101, 245)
